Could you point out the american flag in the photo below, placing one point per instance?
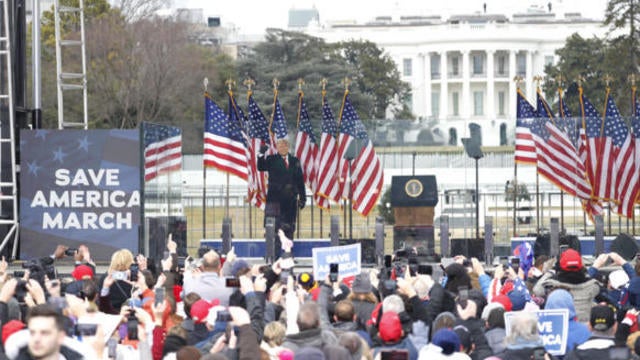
(307, 150)
(592, 124)
(621, 174)
(575, 132)
(555, 162)
(328, 159)
(525, 149)
(162, 149)
(615, 134)
(224, 143)
(366, 169)
(278, 126)
(258, 133)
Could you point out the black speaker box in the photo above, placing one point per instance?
(625, 245)
(468, 247)
(367, 248)
(159, 228)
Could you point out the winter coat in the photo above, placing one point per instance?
(578, 332)
(583, 292)
(495, 338)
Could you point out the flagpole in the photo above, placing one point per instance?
(205, 82)
(632, 78)
(300, 96)
(538, 211)
(518, 79)
(275, 83)
(230, 83)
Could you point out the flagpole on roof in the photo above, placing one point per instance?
(518, 80)
(205, 83)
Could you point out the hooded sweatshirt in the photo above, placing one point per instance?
(578, 332)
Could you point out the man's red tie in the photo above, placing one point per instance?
(286, 161)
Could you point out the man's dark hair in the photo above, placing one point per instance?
(189, 300)
(46, 310)
(149, 279)
(344, 310)
(308, 316)
(496, 318)
(89, 290)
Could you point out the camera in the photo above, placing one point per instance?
(232, 282)
(82, 330)
(284, 277)
(134, 268)
(21, 290)
(515, 264)
(70, 252)
(224, 316)
(333, 272)
(132, 325)
(425, 269)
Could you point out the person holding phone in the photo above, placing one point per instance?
(207, 281)
(571, 275)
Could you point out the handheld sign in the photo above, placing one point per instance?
(553, 326)
(347, 256)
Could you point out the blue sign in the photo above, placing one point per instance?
(79, 187)
(553, 326)
(347, 257)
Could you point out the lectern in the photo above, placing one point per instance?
(413, 199)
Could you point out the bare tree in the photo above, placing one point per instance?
(144, 71)
(134, 10)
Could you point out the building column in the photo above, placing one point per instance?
(466, 87)
(512, 85)
(426, 81)
(529, 86)
(491, 101)
(444, 87)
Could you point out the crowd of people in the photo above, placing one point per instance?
(218, 306)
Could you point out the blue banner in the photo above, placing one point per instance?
(79, 187)
(347, 257)
(553, 326)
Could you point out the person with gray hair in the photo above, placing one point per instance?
(393, 303)
(523, 341)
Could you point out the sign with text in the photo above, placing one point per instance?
(347, 257)
(553, 326)
(79, 187)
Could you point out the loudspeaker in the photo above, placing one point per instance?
(468, 247)
(367, 249)
(159, 228)
(625, 245)
(542, 246)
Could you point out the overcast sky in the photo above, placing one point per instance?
(253, 16)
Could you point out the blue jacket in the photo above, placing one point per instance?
(578, 332)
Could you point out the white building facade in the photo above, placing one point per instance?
(461, 69)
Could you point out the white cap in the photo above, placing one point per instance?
(618, 278)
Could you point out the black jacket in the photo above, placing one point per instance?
(68, 354)
(286, 186)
